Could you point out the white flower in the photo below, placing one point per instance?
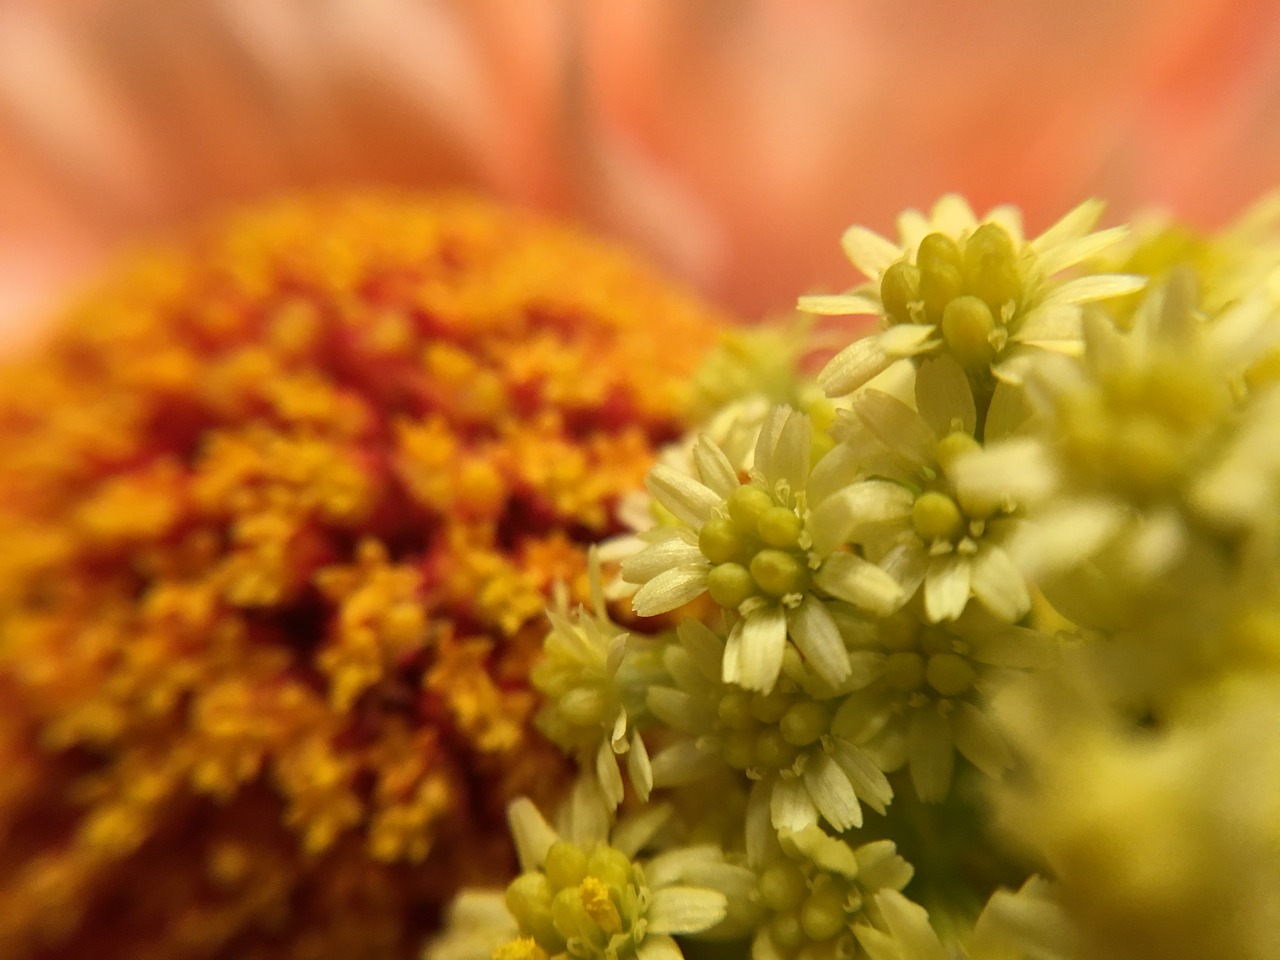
(975, 289)
(751, 547)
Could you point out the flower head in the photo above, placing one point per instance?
(975, 290)
(282, 507)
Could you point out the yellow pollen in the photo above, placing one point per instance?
(599, 906)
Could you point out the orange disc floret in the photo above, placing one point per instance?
(280, 510)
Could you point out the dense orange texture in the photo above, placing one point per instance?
(280, 510)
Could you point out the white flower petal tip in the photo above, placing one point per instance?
(839, 305)
(869, 252)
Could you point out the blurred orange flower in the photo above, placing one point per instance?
(730, 140)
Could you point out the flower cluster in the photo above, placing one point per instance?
(976, 657)
(281, 509)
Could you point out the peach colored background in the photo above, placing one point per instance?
(730, 140)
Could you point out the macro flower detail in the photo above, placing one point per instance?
(920, 514)
(590, 897)
(782, 739)
(975, 290)
(816, 891)
(282, 507)
(751, 548)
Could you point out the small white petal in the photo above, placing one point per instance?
(868, 780)
(676, 910)
(953, 216)
(907, 563)
(790, 807)
(1010, 409)
(1075, 224)
(669, 590)
(532, 834)
(869, 252)
(910, 934)
(933, 756)
(637, 830)
(753, 655)
(913, 226)
(609, 776)
(946, 588)
(760, 834)
(1055, 322)
(658, 948)
(861, 583)
(681, 763)
(815, 633)
(689, 500)
(1071, 252)
(839, 305)
(1100, 286)
(899, 428)
(979, 741)
(1064, 535)
(703, 645)
(658, 558)
(944, 397)
(823, 850)
(679, 709)
(714, 467)
(841, 516)
(999, 584)
(832, 793)
(1011, 472)
(857, 363)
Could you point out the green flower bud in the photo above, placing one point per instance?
(734, 710)
(823, 913)
(904, 671)
(746, 504)
(779, 573)
(770, 707)
(941, 277)
(804, 722)
(991, 267)
(729, 584)
(935, 516)
(954, 445)
(899, 288)
(950, 674)
(967, 325)
(720, 540)
(773, 751)
(779, 527)
(782, 887)
(565, 865)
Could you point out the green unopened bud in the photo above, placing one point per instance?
(720, 540)
(770, 707)
(786, 931)
(773, 751)
(779, 527)
(953, 446)
(746, 504)
(610, 866)
(739, 749)
(782, 887)
(899, 288)
(935, 516)
(570, 916)
(823, 914)
(950, 674)
(734, 710)
(967, 325)
(804, 723)
(528, 898)
(991, 267)
(941, 274)
(779, 573)
(565, 866)
(729, 584)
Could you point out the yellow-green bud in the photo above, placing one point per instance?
(528, 897)
(991, 266)
(899, 288)
(941, 276)
(953, 446)
(950, 674)
(935, 516)
(779, 573)
(746, 504)
(904, 671)
(967, 325)
(729, 584)
(823, 914)
(570, 916)
(610, 866)
(787, 932)
(770, 707)
(773, 751)
(782, 887)
(739, 749)
(734, 710)
(804, 722)
(779, 527)
(565, 865)
(720, 540)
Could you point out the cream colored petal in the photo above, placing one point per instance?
(913, 226)
(658, 948)
(636, 831)
(999, 584)
(879, 865)
(911, 937)
(531, 833)
(1072, 226)
(868, 780)
(790, 807)
(788, 459)
(703, 645)
(658, 558)
(816, 635)
(944, 397)
(677, 910)
(1002, 475)
(1008, 218)
(868, 251)
(933, 756)
(838, 518)
(680, 764)
(823, 850)
(1010, 409)
(1102, 286)
(1071, 252)
(1063, 535)
(753, 656)
(669, 590)
(1056, 322)
(953, 216)
(609, 776)
(714, 468)
(861, 583)
(832, 793)
(680, 710)
(857, 363)
(946, 587)
(839, 304)
(898, 427)
(691, 501)
(907, 563)
(979, 741)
